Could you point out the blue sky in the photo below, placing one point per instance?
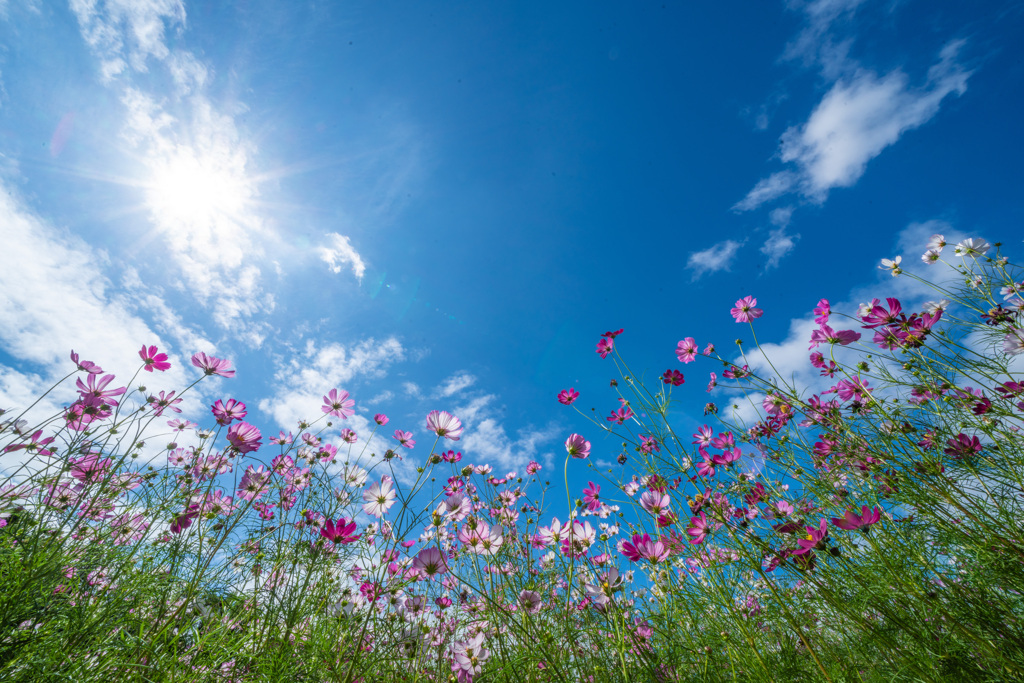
(443, 205)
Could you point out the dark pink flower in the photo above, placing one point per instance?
(244, 437)
(673, 377)
(591, 496)
(686, 350)
(163, 402)
(649, 444)
(815, 538)
(851, 520)
(822, 311)
(612, 335)
(605, 346)
(153, 359)
(340, 532)
(621, 415)
(962, 446)
(228, 411)
(699, 528)
(567, 396)
(826, 335)
(184, 520)
(94, 392)
(746, 311)
(338, 403)
(213, 366)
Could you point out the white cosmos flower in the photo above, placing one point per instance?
(973, 246)
(893, 265)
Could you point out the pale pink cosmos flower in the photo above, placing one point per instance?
(577, 446)
(746, 311)
(227, 411)
(348, 436)
(338, 403)
(405, 438)
(379, 497)
(85, 365)
(244, 437)
(213, 366)
(1013, 343)
(937, 242)
(470, 656)
(430, 561)
(444, 424)
(530, 601)
(153, 359)
(974, 247)
(654, 502)
(686, 350)
(826, 335)
(381, 419)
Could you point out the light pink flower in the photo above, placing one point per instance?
(244, 437)
(430, 561)
(381, 419)
(405, 438)
(379, 497)
(348, 436)
(444, 424)
(577, 446)
(213, 366)
(686, 350)
(338, 403)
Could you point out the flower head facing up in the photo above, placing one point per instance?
(153, 359)
(213, 366)
(444, 424)
(338, 404)
(577, 447)
(567, 396)
(746, 310)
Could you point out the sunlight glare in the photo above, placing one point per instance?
(193, 191)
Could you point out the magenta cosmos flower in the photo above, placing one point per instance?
(381, 419)
(577, 446)
(605, 347)
(340, 532)
(851, 520)
(699, 528)
(338, 403)
(746, 311)
(567, 396)
(673, 377)
(228, 411)
(153, 359)
(444, 424)
(213, 366)
(591, 496)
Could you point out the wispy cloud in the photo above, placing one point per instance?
(486, 441)
(713, 259)
(339, 252)
(455, 384)
(126, 33)
(778, 244)
(857, 119)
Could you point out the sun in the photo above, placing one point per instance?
(191, 191)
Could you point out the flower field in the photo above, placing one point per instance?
(857, 521)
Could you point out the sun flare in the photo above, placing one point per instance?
(194, 191)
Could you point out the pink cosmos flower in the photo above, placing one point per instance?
(381, 419)
(708, 350)
(645, 548)
(85, 365)
(826, 335)
(673, 377)
(822, 311)
(338, 403)
(621, 415)
(655, 502)
(649, 444)
(591, 496)
(405, 438)
(1013, 342)
(164, 402)
(213, 366)
(379, 497)
(153, 360)
(348, 436)
(227, 412)
(444, 424)
(815, 538)
(962, 446)
(699, 529)
(244, 437)
(184, 520)
(577, 447)
(854, 388)
(686, 350)
(469, 656)
(340, 532)
(746, 310)
(94, 392)
(533, 467)
(851, 520)
(605, 347)
(712, 382)
(578, 539)
(567, 396)
(430, 561)
(35, 444)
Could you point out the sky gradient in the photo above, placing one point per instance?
(443, 205)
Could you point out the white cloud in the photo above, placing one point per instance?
(857, 119)
(303, 380)
(778, 244)
(411, 389)
(713, 259)
(817, 43)
(55, 298)
(127, 32)
(455, 384)
(340, 252)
